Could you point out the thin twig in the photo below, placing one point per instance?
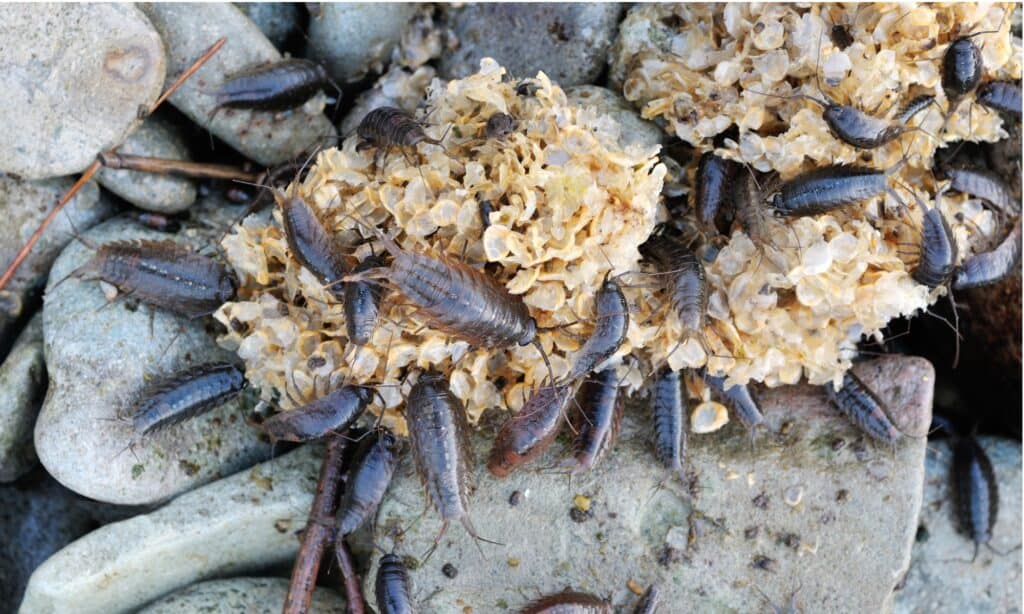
(353, 589)
(93, 168)
(319, 529)
(184, 168)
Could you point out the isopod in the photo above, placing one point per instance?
(989, 267)
(962, 68)
(186, 394)
(747, 201)
(332, 413)
(362, 304)
(741, 402)
(599, 408)
(712, 189)
(915, 106)
(526, 435)
(387, 127)
(863, 408)
(568, 602)
(650, 601)
(938, 250)
(977, 494)
(612, 316)
(439, 435)
(984, 184)
(830, 187)
(485, 207)
(686, 283)
(499, 126)
(368, 480)
(164, 274)
(279, 86)
(310, 242)
(669, 410)
(1001, 96)
(392, 586)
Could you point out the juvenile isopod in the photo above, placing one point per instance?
(158, 222)
(279, 86)
(748, 206)
(485, 207)
(1001, 96)
(712, 190)
(362, 304)
(611, 313)
(186, 394)
(526, 435)
(332, 413)
(669, 411)
(392, 586)
(439, 435)
(989, 267)
(310, 242)
(499, 126)
(164, 274)
(368, 480)
(387, 127)
(568, 602)
(597, 420)
(685, 282)
(864, 409)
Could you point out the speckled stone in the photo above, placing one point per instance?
(241, 595)
(352, 39)
(22, 385)
(277, 20)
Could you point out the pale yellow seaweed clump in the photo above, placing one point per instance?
(796, 306)
(569, 204)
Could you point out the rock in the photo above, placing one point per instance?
(355, 38)
(23, 205)
(396, 88)
(569, 42)
(74, 79)
(37, 518)
(22, 385)
(156, 138)
(277, 20)
(188, 31)
(242, 595)
(633, 129)
(236, 525)
(101, 358)
(941, 577)
(813, 497)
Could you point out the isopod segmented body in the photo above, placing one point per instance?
(828, 188)
(989, 267)
(164, 274)
(185, 395)
(392, 127)
(568, 602)
(275, 87)
(685, 282)
(392, 586)
(740, 401)
(938, 250)
(612, 315)
(310, 242)
(864, 409)
(962, 68)
(1001, 96)
(362, 304)
(526, 435)
(499, 126)
(986, 185)
(332, 413)
(158, 222)
(915, 106)
(598, 418)
(712, 190)
(368, 480)
(669, 410)
(747, 203)
(977, 494)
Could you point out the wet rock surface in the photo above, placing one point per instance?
(243, 595)
(155, 138)
(189, 30)
(942, 577)
(101, 357)
(277, 20)
(23, 205)
(353, 39)
(22, 386)
(63, 63)
(37, 518)
(812, 498)
(237, 525)
(569, 42)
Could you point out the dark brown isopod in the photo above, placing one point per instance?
(310, 242)
(362, 304)
(332, 413)
(275, 87)
(611, 313)
(185, 395)
(597, 417)
(526, 435)
(568, 602)
(368, 480)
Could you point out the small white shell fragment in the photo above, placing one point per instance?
(793, 495)
(708, 417)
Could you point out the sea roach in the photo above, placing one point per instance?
(310, 242)
(984, 184)
(568, 602)
(741, 402)
(712, 190)
(977, 494)
(332, 413)
(669, 410)
(362, 304)
(989, 267)
(279, 86)
(597, 420)
(831, 187)
(158, 222)
(164, 274)
(1001, 96)
(439, 435)
(387, 127)
(686, 283)
(863, 408)
(499, 126)
(185, 395)
(486, 207)
(526, 435)
(368, 480)
(938, 250)
(612, 317)
(392, 586)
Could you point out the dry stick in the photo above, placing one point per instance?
(353, 591)
(184, 168)
(319, 529)
(94, 167)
